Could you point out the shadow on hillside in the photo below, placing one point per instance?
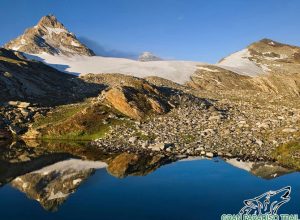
(32, 81)
(60, 67)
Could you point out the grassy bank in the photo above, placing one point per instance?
(288, 155)
(82, 121)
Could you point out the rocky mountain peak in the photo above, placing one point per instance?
(50, 21)
(148, 56)
(269, 42)
(49, 36)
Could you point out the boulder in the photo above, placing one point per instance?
(136, 102)
(161, 146)
(209, 154)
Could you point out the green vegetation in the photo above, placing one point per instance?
(9, 60)
(61, 113)
(145, 137)
(85, 121)
(81, 149)
(288, 155)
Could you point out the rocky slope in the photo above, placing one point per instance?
(25, 80)
(264, 66)
(124, 98)
(29, 88)
(213, 78)
(148, 56)
(132, 96)
(51, 37)
(264, 56)
(244, 125)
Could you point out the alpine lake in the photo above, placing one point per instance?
(73, 181)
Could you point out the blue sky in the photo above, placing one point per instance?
(175, 29)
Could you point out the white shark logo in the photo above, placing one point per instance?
(267, 203)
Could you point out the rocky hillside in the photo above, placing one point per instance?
(30, 81)
(264, 56)
(264, 66)
(148, 56)
(29, 88)
(123, 99)
(51, 37)
(215, 78)
(212, 78)
(132, 96)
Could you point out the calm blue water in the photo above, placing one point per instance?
(201, 189)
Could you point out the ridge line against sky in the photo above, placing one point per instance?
(173, 29)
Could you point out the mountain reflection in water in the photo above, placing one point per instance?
(50, 172)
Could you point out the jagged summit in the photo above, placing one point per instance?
(50, 21)
(148, 56)
(49, 36)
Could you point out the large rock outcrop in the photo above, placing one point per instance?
(132, 96)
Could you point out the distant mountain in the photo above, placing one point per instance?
(51, 37)
(148, 56)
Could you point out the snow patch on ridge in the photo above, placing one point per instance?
(207, 69)
(240, 63)
(55, 30)
(73, 43)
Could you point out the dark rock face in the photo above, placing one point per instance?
(49, 36)
(17, 159)
(5, 134)
(30, 81)
(30, 88)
